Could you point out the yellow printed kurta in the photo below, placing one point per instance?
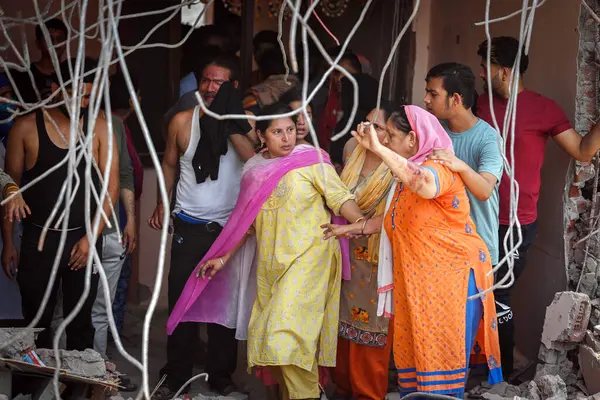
(295, 316)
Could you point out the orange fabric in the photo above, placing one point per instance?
(250, 100)
(361, 371)
(435, 246)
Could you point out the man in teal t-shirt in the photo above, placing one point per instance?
(450, 94)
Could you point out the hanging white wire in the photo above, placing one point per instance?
(105, 30)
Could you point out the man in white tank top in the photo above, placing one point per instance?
(201, 211)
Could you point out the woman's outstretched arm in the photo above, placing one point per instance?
(209, 268)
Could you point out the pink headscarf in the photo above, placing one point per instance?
(429, 131)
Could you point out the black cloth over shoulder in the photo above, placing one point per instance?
(214, 133)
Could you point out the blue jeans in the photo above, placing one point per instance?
(120, 300)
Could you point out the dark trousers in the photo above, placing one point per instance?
(35, 268)
(506, 329)
(190, 243)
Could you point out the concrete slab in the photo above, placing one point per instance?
(589, 362)
(566, 319)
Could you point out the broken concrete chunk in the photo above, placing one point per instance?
(499, 388)
(563, 370)
(85, 363)
(564, 346)
(26, 340)
(566, 319)
(504, 389)
(589, 362)
(552, 386)
(546, 369)
(579, 256)
(588, 283)
(576, 206)
(491, 396)
(551, 356)
(595, 317)
(479, 390)
(111, 367)
(571, 379)
(591, 264)
(592, 341)
(533, 392)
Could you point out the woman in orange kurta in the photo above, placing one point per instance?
(438, 262)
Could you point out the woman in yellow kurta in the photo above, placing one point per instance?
(438, 261)
(294, 321)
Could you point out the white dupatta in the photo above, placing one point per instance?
(385, 267)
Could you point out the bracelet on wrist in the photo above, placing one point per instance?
(362, 231)
(10, 189)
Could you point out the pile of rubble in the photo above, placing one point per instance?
(86, 363)
(569, 356)
(232, 396)
(23, 339)
(19, 354)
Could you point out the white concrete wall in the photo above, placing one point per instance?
(423, 31)
(149, 239)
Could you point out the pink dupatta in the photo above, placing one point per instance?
(223, 300)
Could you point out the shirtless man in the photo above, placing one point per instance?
(202, 208)
(34, 146)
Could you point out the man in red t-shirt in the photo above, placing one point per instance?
(538, 118)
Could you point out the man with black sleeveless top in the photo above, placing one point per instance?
(34, 146)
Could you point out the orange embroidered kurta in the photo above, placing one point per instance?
(435, 246)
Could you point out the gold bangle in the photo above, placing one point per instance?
(362, 231)
(10, 189)
(222, 263)
(358, 220)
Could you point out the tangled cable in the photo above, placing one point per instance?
(105, 30)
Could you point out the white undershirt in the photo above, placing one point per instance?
(209, 200)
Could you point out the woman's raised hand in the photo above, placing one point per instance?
(367, 137)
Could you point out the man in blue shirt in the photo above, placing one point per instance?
(450, 95)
